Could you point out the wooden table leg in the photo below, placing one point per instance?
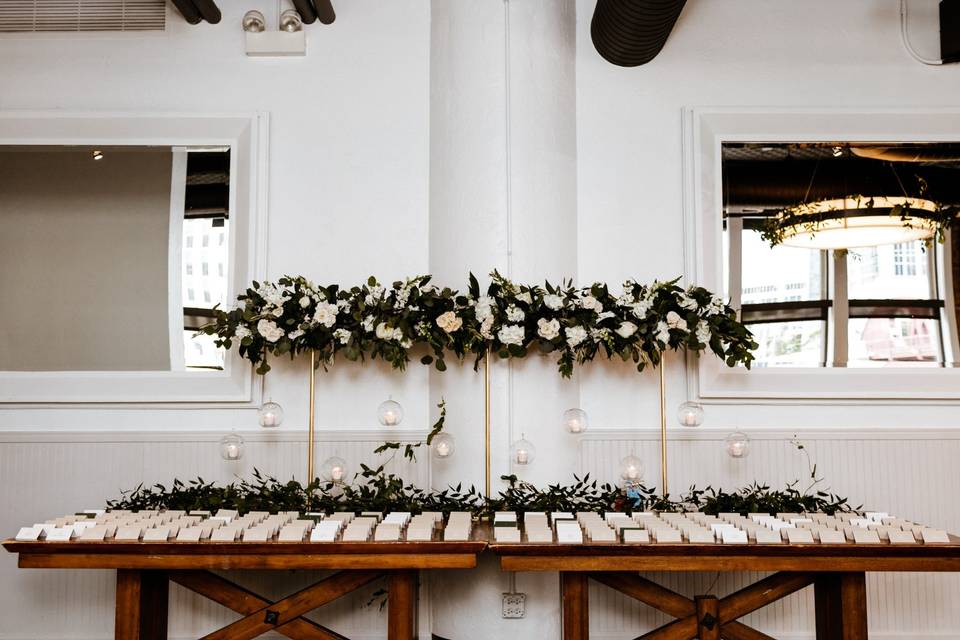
(142, 598)
(841, 606)
(576, 605)
(708, 618)
(402, 605)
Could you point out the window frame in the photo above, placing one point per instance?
(704, 130)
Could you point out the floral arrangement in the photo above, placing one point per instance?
(638, 324)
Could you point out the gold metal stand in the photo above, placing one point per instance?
(663, 430)
(486, 420)
(313, 395)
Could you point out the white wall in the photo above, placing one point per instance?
(389, 158)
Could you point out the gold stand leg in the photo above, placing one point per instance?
(310, 436)
(663, 430)
(486, 420)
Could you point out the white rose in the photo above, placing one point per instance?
(663, 333)
(688, 303)
(305, 301)
(525, 298)
(449, 322)
(642, 308)
(293, 335)
(368, 324)
(397, 334)
(483, 308)
(576, 335)
(511, 334)
(241, 333)
(343, 305)
(269, 330)
(406, 344)
(591, 303)
(626, 329)
(326, 314)
(703, 333)
(553, 301)
(384, 332)
(342, 336)
(515, 313)
(674, 321)
(548, 329)
(605, 315)
(486, 329)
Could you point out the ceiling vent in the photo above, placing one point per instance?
(44, 16)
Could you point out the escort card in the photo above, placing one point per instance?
(60, 534)
(291, 533)
(831, 536)
(701, 536)
(225, 534)
(799, 536)
(603, 534)
(189, 534)
(257, 534)
(734, 536)
(898, 536)
(540, 534)
(569, 533)
(934, 536)
(28, 534)
(323, 534)
(634, 536)
(767, 536)
(667, 535)
(865, 536)
(456, 534)
(159, 534)
(506, 534)
(419, 534)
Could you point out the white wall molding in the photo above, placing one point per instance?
(262, 435)
(775, 433)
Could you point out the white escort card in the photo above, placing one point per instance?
(542, 535)
(799, 536)
(634, 536)
(325, 531)
(767, 536)
(29, 534)
(225, 534)
(865, 536)
(899, 536)
(61, 534)
(935, 536)
(189, 534)
(419, 534)
(506, 534)
(667, 535)
(734, 536)
(832, 536)
(158, 534)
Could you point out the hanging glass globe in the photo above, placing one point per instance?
(270, 415)
(523, 452)
(390, 413)
(631, 471)
(334, 470)
(575, 420)
(690, 414)
(738, 445)
(231, 447)
(443, 446)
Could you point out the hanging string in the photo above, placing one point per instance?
(813, 176)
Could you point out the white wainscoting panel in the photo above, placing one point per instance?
(46, 474)
(912, 474)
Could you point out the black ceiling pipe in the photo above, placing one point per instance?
(325, 11)
(209, 10)
(305, 8)
(629, 33)
(188, 10)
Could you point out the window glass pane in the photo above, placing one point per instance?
(790, 344)
(893, 342)
(778, 274)
(200, 352)
(890, 271)
(197, 263)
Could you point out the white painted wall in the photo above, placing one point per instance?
(390, 158)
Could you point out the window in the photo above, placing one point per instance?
(206, 240)
(220, 269)
(190, 295)
(205, 269)
(206, 296)
(221, 239)
(189, 268)
(189, 241)
(904, 259)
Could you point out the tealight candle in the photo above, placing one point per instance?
(443, 449)
(523, 456)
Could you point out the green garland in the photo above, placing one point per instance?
(294, 315)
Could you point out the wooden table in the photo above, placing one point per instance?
(837, 573)
(145, 569)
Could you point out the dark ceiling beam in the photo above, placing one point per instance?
(325, 11)
(305, 8)
(209, 10)
(188, 10)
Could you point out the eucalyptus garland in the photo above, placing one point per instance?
(637, 324)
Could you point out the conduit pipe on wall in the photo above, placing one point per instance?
(306, 11)
(193, 11)
(325, 11)
(629, 33)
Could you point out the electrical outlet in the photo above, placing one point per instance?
(514, 605)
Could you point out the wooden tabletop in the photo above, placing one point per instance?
(255, 555)
(725, 557)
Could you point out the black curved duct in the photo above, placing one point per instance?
(194, 11)
(630, 33)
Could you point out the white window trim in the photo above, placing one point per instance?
(704, 132)
(246, 135)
